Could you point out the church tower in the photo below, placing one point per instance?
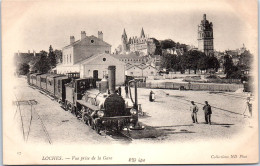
(124, 41)
(205, 36)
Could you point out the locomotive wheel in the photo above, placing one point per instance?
(119, 129)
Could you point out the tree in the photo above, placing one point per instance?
(158, 49)
(41, 63)
(51, 57)
(245, 61)
(203, 63)
(23, 68)
(58, 56)
(213, 63)
(168, 43)
(191, 60)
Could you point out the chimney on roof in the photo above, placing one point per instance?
(83, 34)
(100, 35)
(28, 51)
(72, 39)
(34, 53)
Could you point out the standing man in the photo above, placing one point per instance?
(194, 109)
(249, 105)
(126, 91)
(119, 90)
(207, 112)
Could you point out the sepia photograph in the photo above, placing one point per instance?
(130, 82)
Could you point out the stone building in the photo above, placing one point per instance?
(141, 70)
(96, 66)
(205, 36)
(143, 44)
(80, 50)
(131, 58)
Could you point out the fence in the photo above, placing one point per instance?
(191, 86)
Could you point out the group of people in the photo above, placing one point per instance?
(207, 112)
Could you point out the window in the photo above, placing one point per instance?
(151, 72)
(104, 59)
(92, 41)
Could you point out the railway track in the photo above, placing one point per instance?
(119, 136)
(33, 115)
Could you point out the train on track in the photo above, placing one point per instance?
(93, 101)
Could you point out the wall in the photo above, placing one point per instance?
(98, 63)
(63, 69)
(67, 52)
(86, 48)
(137, 72)
(147, 71)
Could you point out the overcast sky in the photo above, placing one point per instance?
(36, 25)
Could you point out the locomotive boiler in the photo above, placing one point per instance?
(103, 108)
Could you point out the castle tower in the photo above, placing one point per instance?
(205, 36)
(124, 42)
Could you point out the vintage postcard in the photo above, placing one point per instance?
(130, 82)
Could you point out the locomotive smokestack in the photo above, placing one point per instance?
(112, 79)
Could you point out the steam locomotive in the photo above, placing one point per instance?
(93, 101)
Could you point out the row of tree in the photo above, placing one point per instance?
(41, 62)
(191, 60)
(236, 70)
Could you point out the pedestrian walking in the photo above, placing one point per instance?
(126, 91)
(194, 109)
(207, 112)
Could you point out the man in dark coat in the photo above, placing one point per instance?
(126, 91)
(207, 112)
(119, 90)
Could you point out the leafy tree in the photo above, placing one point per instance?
(203, 63)
(246, 59)
(191, 60)
(213, 63)
(23, 68)
(51, 57)
(167, 44)
(58, 56)
(158, 49)
(41, 63)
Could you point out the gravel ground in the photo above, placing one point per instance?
(166, 119)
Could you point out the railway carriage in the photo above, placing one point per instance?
(38, 80)
(33, 78)
(51, 83)
(60, 91)
(43, 84)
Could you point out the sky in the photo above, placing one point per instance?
(29, 25)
